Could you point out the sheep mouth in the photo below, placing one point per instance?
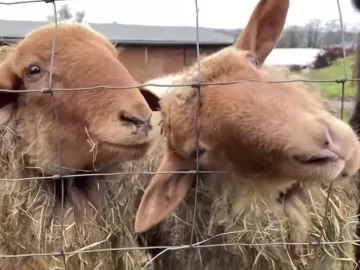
(132, 147)
(322, 158)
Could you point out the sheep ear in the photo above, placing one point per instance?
(264, 28)
(151, 98)
(356, 4)
(9, 81)
(164, 193)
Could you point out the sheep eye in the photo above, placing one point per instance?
(33, 70)
(162, 131)
(253, 60)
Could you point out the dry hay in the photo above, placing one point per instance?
(30, 219)
(260, 227)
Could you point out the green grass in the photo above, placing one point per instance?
(336, 71)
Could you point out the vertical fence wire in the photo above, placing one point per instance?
(197, 126)
(322, 236)
(344, 79)
(197, 116)
(60, 177)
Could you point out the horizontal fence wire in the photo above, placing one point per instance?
(30, 2)
(199, 86)
(340, 81)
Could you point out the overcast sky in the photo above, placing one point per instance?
(213, 13)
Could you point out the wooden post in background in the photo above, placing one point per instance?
(356, 68)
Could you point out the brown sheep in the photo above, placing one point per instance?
(284, 150)
(98, 129)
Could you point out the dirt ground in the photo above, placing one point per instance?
(348, 107)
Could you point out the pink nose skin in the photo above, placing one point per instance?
(323, 156)
(331, 145)
(330, 153)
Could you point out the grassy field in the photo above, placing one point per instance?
(336, 71)
(346, 115)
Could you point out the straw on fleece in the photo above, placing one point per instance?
(31, 216)
(29, 220)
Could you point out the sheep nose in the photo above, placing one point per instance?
(330, 144)
(129, 118)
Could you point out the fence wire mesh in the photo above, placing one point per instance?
(49, 89)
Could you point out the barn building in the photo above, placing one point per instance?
(146, 51)
(152, 51)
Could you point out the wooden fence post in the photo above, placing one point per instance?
(356, 68)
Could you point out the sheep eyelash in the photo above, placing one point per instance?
(162, 132)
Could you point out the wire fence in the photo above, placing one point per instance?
(60, 176)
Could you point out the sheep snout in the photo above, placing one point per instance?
(135, 121)
(328, 155)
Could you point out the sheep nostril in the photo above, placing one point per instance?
(330, 143)
(128, 118)
(201, 152)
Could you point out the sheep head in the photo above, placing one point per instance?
(117, 121)
(259, 130)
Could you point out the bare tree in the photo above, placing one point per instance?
(355, 28)
(79, 16)
(65, 13)
(313, 32)
(333, 32)
(292, 37)
(317, 34)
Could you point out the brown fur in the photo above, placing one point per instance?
(3, 52)
(98, 130)
(272, 137)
